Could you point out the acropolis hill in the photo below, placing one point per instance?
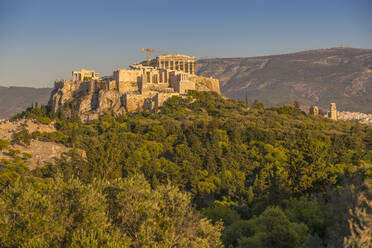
(130, 90)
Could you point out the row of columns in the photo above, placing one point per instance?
(76, 76)
(161, 77)
(178, 65)
(79, 75)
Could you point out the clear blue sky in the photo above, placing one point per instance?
(44, 40)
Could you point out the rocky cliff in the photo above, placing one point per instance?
(342, 75)
(90, 104)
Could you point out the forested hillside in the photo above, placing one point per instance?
(204, 171)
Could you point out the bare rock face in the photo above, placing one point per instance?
(42, 151)
(92, 106)
(206, 84)
(60, 95)
(109, 100)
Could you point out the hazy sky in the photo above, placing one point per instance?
(41, 41)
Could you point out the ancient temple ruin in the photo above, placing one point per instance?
(176, 62)
(129, 90)
(84, 75)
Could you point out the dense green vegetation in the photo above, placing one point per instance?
(273, 176)
(119, 213)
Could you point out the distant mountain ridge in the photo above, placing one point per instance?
(342, 75)
(16, 99)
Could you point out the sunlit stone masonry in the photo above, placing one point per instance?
(130, 90)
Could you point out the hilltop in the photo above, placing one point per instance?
(342, 75)
(129, 90)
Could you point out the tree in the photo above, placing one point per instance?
(250, 195)
(22, 136)
(226, 214)
(258, 105)
(273, 229)
(306, 210)
(296, 104)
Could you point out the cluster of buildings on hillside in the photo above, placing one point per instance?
(343, 115)
(362, 117)
(128, 90)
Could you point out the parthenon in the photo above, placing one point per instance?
(176, 62)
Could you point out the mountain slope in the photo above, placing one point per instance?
(16, 99)
(342, 75)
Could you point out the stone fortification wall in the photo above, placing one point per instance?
(161, 87)
(125, 87)
(123, 75)
(135, 102)
(183, 86)
(127, 80)
(160, 98)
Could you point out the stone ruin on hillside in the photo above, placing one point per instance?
(130, 90)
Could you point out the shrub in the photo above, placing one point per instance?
(44, 120)
(3, 144)
(26, 155)
(14, 152)
(23, 136)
